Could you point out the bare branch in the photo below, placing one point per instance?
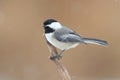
(58, 62)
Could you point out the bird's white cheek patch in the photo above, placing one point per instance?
(55, 25)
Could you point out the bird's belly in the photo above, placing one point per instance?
(59, 44)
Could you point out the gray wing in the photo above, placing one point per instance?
(67, 35)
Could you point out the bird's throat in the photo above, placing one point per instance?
(48, 30)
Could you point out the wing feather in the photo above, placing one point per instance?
(67, 35)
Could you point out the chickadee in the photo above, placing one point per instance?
(64, 38)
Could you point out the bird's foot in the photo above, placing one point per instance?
(57, 56)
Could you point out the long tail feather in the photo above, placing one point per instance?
(95, 41)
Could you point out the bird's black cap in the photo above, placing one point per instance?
(49, 21)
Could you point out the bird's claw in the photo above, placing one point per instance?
(57, 56)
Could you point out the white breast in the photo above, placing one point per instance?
(58, 44)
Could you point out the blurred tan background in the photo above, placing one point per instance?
(23, 51)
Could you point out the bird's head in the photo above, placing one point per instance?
(51, 24)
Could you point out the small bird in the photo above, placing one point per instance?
(65, 38)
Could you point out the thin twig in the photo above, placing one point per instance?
(60, 67)
(62, 70)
